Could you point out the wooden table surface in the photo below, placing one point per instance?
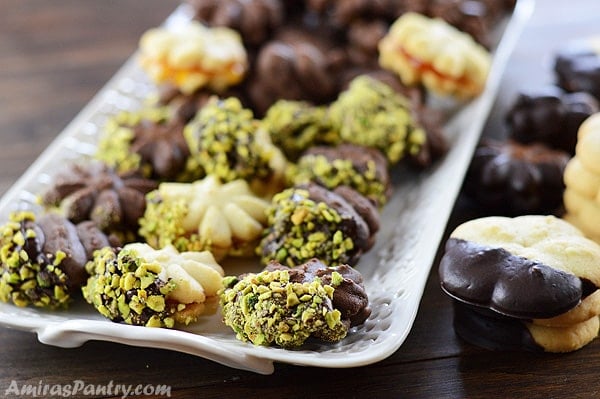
(54, 56)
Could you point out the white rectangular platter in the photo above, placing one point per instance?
(395, 270)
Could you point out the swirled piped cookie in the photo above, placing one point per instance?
(226, 219)
(140, 285)
(538, 276)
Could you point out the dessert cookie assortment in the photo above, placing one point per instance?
(272, 134)
(529, 282)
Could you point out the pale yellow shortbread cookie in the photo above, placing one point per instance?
(192, 56)
(565, 339)
(588, 308)
(432, 52)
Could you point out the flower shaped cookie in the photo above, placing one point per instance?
(227, 219)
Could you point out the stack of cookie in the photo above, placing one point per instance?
(524, 283)
(582, 180)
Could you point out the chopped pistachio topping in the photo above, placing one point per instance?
(339, 172)
(125, 288)
(302, 229)
(223, 141)
(226, 219)
(114, 147)
(162, 224)
(372, 114)
(295, 126)
(268, 309)
(29, 276)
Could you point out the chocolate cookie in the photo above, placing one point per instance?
(510, 178)
(286, 306)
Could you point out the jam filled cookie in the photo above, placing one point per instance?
(431, 52)
(193, 56)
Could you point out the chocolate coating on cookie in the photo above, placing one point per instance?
(577, 66)
(510, 178)
(492, 331)
(508, 284)
(349, 297)
(551, 116)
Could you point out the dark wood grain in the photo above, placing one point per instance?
(54, 56)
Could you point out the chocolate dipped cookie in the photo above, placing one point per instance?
(285, 306)
(310, 221)
(510, 178)
(537, 276)
(42, 260)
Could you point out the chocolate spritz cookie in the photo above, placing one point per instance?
(255, 20)
(149, 140)
(550, 116)
(295, 126)
(510, 178)
(94, 191)
(364, 169)
(529, 282)
(372, 114)
(286, 306)
(311, 221)
(227, 142)
(227, 219)
(43, 258)
(577, 66)
(143, 286)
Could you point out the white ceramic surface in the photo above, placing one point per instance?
(395, 270)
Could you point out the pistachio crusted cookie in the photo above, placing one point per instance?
(372, 114)
(286, 306)
(155, 288)
(362, 168)
(42, 260)
(227, 219)
(150, 140)
(225, 141)
(311, 221)
(295, 126)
